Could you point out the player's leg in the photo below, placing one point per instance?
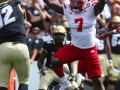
(116, 60)
(46, 79)
(93, 67)
(67, 72)
(66, 68)
(103, 61)
(6, 58)
(113, 74)
(22, 65)
(75, 67)
(64, 55)
(81, 76)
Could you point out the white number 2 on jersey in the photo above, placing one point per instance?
(6, 19)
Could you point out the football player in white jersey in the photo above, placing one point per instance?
(81, 16)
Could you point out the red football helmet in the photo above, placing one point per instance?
(78, 5)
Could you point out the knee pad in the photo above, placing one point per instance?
(23, 87)
(3, 88)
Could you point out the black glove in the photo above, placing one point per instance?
(71, 77)
(42, 71)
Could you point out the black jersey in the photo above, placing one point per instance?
(11, 23)
(101, 44)
(115, 43)
(50, 48)
(101, 47)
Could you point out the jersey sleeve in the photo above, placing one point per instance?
(64, 8)
(45, 46)
(93, 2)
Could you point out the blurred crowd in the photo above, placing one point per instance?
(40, 20)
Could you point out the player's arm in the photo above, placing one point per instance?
(34, 54)
(98, 8)
(108, 48)
(70, 66)
(55, 6)
(41, 59)
(104, 35)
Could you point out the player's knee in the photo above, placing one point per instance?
(3, 88)
(55, 62)
(23, 87)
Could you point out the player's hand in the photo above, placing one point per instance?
(42, 71)
(71, 77)
(31, 61)
(110, 63)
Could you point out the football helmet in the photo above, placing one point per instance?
(59, 30)
(115, 21)
(78, 5)
(64, 18)
(113, 72)
(65, 24)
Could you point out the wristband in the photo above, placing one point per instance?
(103, 35)
(116, 30)
(39, 67)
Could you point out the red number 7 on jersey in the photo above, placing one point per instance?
(80, 25)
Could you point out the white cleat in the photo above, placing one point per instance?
(65, 86)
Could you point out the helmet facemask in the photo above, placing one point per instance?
(59, 34)
(78, 5)
(58, 38)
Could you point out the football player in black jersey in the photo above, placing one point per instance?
(115, 48)
(13, 49)
(49, 48)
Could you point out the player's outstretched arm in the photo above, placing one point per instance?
(55, 6)
(98, 8)
(41, 59)
(104, 35)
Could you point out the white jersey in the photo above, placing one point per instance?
(82, 25)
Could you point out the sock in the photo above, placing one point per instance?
(63, 79)
(59, 71)
(23, 87)
(3, 88)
